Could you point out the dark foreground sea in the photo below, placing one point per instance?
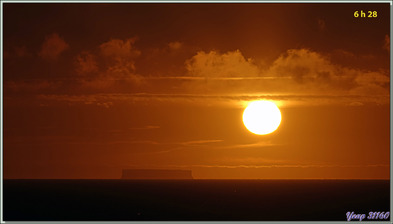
(193, 200)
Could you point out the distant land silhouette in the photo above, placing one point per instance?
(156, 174)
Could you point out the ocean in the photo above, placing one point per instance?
(193, 200)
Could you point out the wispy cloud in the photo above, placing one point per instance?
(42, 140)
(248, 145)
(213, 145)
(199, 142)
(233, 100)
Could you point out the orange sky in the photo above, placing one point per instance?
(90, 89)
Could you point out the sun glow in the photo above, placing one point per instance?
(262, 117)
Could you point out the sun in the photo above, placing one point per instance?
(262, 117)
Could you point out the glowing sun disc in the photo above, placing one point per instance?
(262, 117)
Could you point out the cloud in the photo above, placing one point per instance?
(105, 104)
(254, 160)
(177, 145)
(53, 46)
(206, 144)
(297, 71)
(86, 63)
(303, 65)
(112, 65)
(260, 144)
(386, 44)
(371, 83)
(315, 73)
(222, 100)
(119, 49)
(366, 61)
(215, 64)
(355, 104)
(187, 145)
(298, 76)
(119, 57)
(198, 142)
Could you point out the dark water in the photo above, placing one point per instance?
(192, 200)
